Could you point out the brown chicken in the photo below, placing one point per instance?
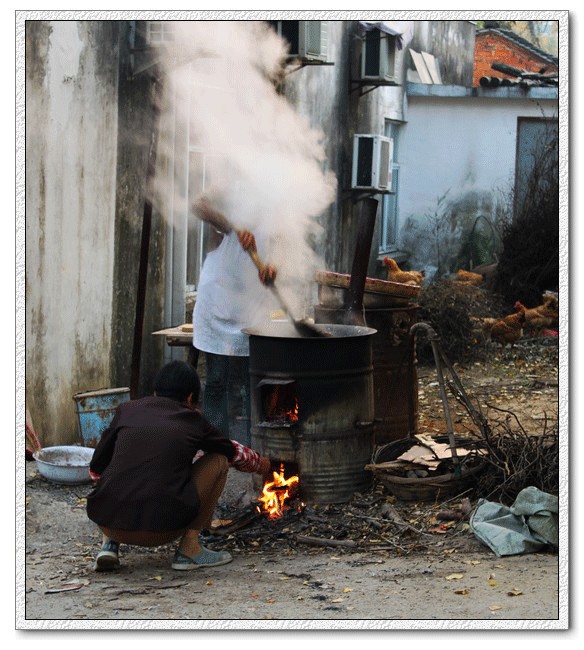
(544, 316)
(395, 274)
(550, 300)
(484, 324)
(468, 277)
(551, 308)
(509, 329)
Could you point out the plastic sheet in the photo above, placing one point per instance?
(528, 526)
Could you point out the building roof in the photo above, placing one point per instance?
(522, 42)
(414, 89)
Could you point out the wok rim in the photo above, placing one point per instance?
(352, 331)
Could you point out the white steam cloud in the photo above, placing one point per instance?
(264, 161)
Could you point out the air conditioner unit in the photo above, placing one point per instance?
(308, 38)
(378, 57)
(372, 162)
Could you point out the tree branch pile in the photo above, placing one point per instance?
(514, 458)
(447, 306)
(517, 459)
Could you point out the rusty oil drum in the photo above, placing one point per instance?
(395, 374)
(333, 437)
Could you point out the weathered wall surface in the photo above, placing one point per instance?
(318, 93)
(328, 97)
(71, 116)
(138, 127)
(451, 42)
(375, 108)
(457, 162)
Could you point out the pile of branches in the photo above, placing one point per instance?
(517, 459)
(447, 306)
(514, 458)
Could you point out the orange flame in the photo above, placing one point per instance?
(292, 415)
(275, 493)
(282, 405)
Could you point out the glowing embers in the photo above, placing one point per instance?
(279, 402)
(277, 494)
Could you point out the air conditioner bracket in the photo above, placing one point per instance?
(301, 63)
(357, 195)
(371, 84)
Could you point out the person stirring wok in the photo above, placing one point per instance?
(227, 279)
(148, 491)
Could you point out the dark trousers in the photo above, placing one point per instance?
(209, 474)
(226, 398)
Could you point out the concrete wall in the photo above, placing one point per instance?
(137, 126)
(451, 42)
(71, 148)
(457, 162)
(375, 108)
(320, 93)
(329, 97)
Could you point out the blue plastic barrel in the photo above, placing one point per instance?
(95, 410)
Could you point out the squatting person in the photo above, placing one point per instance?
(149, 488)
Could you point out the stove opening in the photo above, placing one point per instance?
(279, 402)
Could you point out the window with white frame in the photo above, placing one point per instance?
(160, 32)
(389, 203)
(307, 39)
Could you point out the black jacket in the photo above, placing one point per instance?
(144, 459)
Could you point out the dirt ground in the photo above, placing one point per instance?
(436, 579)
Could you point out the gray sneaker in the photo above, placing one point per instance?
(206, 558)
(107, 559)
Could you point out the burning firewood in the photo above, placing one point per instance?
(276, 493)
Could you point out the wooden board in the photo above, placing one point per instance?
(421, 67)
(372, 285)
(179, 335)
(432, 66)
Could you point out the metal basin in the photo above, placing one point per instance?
(68, 465)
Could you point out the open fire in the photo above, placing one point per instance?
(276, 493)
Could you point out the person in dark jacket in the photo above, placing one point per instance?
(148, 490)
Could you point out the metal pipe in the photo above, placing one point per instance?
(367, 214)
(434, 341)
